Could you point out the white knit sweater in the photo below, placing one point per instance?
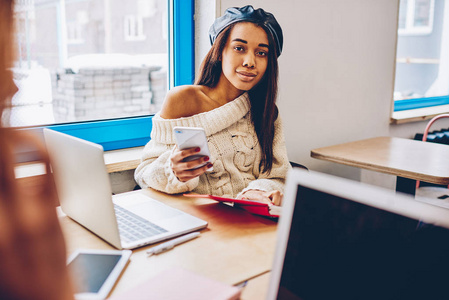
(235, 154)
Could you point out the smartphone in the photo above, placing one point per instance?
(192, 137)
(96, 271)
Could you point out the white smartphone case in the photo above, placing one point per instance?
(192, 137)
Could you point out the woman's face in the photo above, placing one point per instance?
(245, 56)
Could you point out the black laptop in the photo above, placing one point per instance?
(341, 239)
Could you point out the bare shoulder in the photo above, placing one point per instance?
(183, 101)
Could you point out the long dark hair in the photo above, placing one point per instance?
(262, 97)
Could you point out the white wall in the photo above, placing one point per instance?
(205, 14)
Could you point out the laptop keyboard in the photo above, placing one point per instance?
(133, 228)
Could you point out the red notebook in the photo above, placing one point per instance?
(254, 207)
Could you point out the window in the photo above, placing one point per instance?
(422, 58)
(74, 33)
(75, 27)
(134, 28)
(416, 17)
(104, 83)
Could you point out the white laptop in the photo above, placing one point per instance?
(341, 239)
(127, 220)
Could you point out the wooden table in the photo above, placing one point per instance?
(409, 160)
(235, 247)
(257, 288)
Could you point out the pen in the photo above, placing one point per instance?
(170, 244)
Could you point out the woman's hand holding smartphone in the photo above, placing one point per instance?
(190, 158)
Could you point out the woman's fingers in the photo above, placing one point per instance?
(180, 155)
(188, 174)
(187, 170)
(276, 197)
(272, 197)
(193, 164)
(189, 152)
(256, 195)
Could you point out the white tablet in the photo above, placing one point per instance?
(96, 271)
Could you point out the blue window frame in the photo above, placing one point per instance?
(111, 134)
(183, 42)
(407, 104)
(135, 131)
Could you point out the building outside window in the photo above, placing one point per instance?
(133, 28)
(416, 17)
(74, 33)
(75, 28)
(422, 61)
(75, 64)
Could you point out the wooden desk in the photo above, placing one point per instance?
(236, 246)
(410, 160)
(257, 288)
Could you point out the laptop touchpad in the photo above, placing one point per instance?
(153, 211)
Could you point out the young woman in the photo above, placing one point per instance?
(234, 101)
(32, 249)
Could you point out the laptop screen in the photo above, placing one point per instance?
(341, 249)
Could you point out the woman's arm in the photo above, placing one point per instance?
(271, 185)
(156, 171)
(162, 167)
